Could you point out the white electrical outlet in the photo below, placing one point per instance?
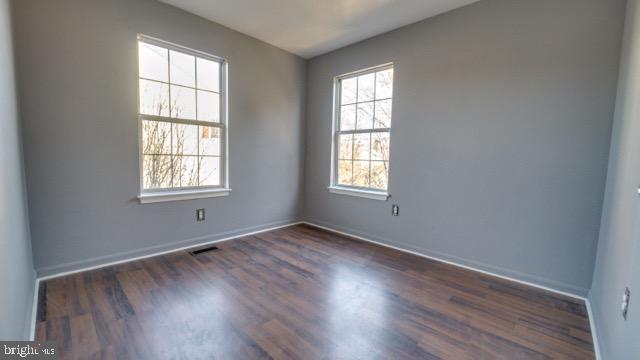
(200, 215)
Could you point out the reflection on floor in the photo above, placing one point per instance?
(304, 293)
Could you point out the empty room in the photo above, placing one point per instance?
(320, 179)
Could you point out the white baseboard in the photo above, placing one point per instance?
(34, 311)
(592, 324)
(431, 257)
(594, 332)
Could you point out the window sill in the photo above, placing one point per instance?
(155, 197)
(374, 195)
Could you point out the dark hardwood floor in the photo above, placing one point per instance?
(303, 293)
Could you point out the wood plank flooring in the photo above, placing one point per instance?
(304, 293)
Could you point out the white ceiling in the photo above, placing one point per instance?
(313, 27)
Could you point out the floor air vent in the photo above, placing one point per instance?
(203, 250)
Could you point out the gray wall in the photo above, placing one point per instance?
(17, 277)
(77, 79)
(618, 261)
(500, 137)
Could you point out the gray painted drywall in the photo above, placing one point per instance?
(618, 260)
(77, 68)
(508, 102)
(17, 277)
(500, 137)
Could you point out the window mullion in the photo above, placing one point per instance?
(171, 155)
(181, 121)
(195, 76)
(169, 80)
(355, 126)
(373, 124)
(363, 131)
(195, 89)
(198, 156)
(353, 143)
(182, 86)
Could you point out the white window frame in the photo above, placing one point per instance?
(363, 192)
(186, 193)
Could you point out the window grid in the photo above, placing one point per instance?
(186, 87)
(198, 155)
(352, 132)
(199, 124)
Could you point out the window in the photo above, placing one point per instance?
(182, 101)
(362, 132)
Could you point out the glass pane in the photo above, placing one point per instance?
(156, 138)
(208, 75)
(361, 146)
(209, 141)
(345, 172)
(383, 114)
(348, 91)
(186, 171)
(348, 117)
(208, 106)
(154, 98)
(361, 173)
(366, 86)
(156, 171)
(183, 69)
(209, 171)
(346, 147)
(380, 146)
(384, 84)
(379, 174)
(153, 62)
(185, 139)
(183, 102)
(365, 116)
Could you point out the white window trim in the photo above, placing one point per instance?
(187, 193)
(367, 194)
(349, 190)
(155, 197)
